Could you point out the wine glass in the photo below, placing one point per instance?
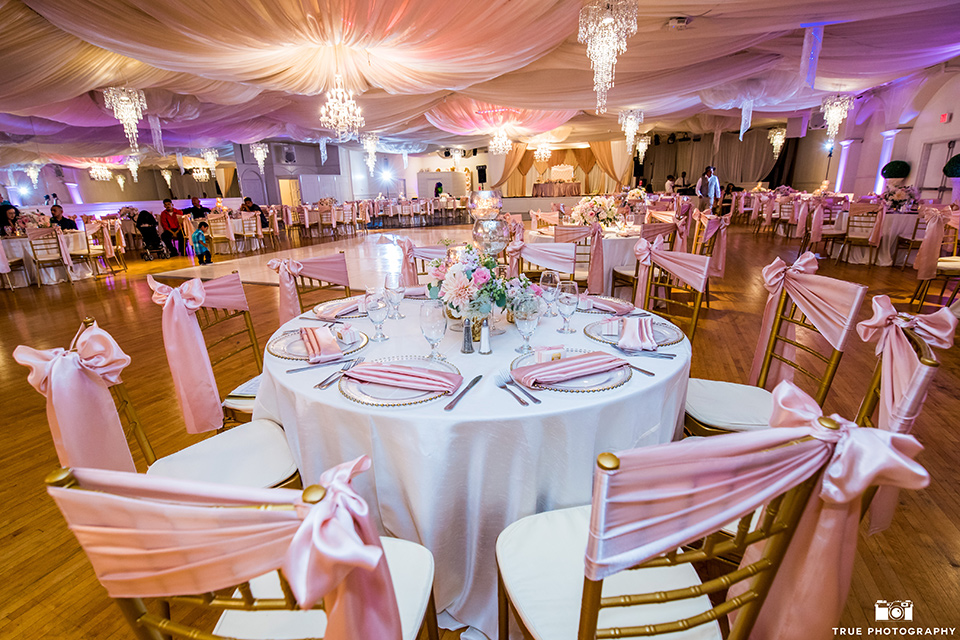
(394, 296)
(548, 282)
(526, 315)
(377, 312)
(433, 324)
(567, 300)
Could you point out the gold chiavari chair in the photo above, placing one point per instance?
(307, 286)
(910, 242)
(630, 276)
(250, 232)
(47, 252)
(680, 594)
(581, 262)
(298, 221)
(787, 205)
(220, 233)
(948, 269)
(15, 264)
(449, 210)
(406, 215)
(862, 218)
(269, 232)
(671, 298)
(265, 607)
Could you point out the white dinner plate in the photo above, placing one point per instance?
(319, 309)
(381, 395)
(609, 298)
(665, 334)
(603, 381)
(289, 346)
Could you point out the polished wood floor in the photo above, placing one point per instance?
(48, 589)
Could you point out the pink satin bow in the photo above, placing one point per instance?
(408, 270)
(187, 355)
(929, 253)
(514, 251)
(717, 224)
(336, 555)
(690, 268)
(287, 270)
(83, 419)
(682, 220)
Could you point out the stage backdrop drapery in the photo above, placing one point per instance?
(511, 162)
(739, 162)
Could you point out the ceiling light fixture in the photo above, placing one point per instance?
(200, 174)
(835, 109)
(128, 105)
(370, 141)
(341, 114)
(500, 144)
(133, 164)
(777, 137)
(33, 171)
(167, 177)
(121, 181)
(630, 121)
(260, 151)
(643, 143)
(457, 155)
(100, 172)
(542, 153)
(210, 156)
(605, 26)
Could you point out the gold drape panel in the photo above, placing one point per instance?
(586, 161)
(526, 162)
(512, 162)
(604, 158)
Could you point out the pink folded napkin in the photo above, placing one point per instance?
(321, 344)
(415, 292)
(335, 311)
(566, 369)
(618, 308)
(628, 232)
(638, 334)
(396, 375)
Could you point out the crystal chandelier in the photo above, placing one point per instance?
(630, 123)
(260, 152)
(341, 113)
(200, 174)
(128, 105)
(835, 110)
(542, 153)
(605, 26)
(500, 144)
(121, 181)
(777, 137)
(457, 155)
(33, 171)
(100, 172)
(133, 164)
(210, 156)
(643, 143)
(167, 177)
(370, 141)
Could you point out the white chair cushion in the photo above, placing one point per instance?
(411, 570)
(541, 561)
(243, 405)
(625, 271)
(727, 405)
(949, 265)
(253, 454)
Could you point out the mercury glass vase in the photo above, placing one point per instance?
(491, 236)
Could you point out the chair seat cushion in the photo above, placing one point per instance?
(949, 265)
(727, 405)
(541, 561)
(253, 454)
(627, 272)
(411, 570)
(241, 405)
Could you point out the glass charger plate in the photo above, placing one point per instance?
(603, 381)
(665, 334)
(380, 395)
(601, 311)
(318, 310)
(289, 346)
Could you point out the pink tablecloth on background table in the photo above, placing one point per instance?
(556, 189)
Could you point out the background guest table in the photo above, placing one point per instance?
(893, 225)
(617, 252)
(556, 189)
(453, 480)
(19, 247)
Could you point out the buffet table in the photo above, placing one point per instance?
(19, 247)
(453, 480)
(617, 252)
(556, 189)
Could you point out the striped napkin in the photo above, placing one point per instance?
(321, 344)
(333, 312)
(638, 334)
(396, 375)
(617, 308)
(566, 369)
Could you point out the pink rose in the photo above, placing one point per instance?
(537, 290)
(481, 277)
(437, 273)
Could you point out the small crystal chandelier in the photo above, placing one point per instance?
(777, 137)
(605, 26)
(457, 155)
(133, 164)
(128, 105)
(834, 109)
(167, 177)
(33, 171)
(100, 172)
(121, 181)
(200, 174)
(630, 121)
(542, 153)
(341, 113)
(643, 143)
(210, 156)
(260, 151)
(500, 144)
(323, 149)
(370, 141)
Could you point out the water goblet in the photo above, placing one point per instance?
(526, 315)
(376, 304)
(394, 295)
(567, 300)
(433, 325)
(548, 282)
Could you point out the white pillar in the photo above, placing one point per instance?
(886, 151)
(842, 164)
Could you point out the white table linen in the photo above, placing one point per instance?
(893, 225)
(19, 247)
(617, 252)
(452, 481)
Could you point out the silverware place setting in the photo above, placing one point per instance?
(501, 382)
(460, 395)
(327, 382)
(508, 379)
(644, 354)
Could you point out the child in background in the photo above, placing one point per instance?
(199, 240)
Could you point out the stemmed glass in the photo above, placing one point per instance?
(433, 324)
(526, 315)
(548, 282)
(567, 300)
(377, 312)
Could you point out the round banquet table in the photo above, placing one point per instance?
(556, 189)
(453, 480)
(19, 247)
(894, 225)
(617, 252)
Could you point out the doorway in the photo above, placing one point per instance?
(290, 191)
(932, 182)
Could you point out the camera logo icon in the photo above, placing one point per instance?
(897, 610)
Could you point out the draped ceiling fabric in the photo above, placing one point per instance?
(418, 67)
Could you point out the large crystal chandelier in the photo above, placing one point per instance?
(542, 153)
(370, 141)
(210, 156)
(128, 105)
(260, 151)
(121, 181)
(500, 144)
(835, 110)
(100, 172)
(133, 164)
(777, 137)
(643, 143)
(167, 177)
(33, 171)
(341, 113)
(630, 121)
(457, 155)
(605, 26)
(200, 174)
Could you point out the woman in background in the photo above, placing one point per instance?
(8, 220)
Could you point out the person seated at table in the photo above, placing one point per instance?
(57, 218)
(8, 220)
(147, 224)
(197, 210)
(437, 189)
(170, 222)
(669, 186)
(200, 248)
(249, 206)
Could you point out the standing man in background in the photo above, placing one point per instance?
(708, 188)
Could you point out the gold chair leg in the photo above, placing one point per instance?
(503, 609)
(430, 620)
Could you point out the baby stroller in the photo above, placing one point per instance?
(150, 239)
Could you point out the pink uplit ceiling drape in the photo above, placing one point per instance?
(463, 116)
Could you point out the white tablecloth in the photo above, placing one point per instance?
(617, 252)
(894, 224)
(19, 247)
(452, 481)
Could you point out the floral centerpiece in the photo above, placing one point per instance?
(784, 190)
(602, 209)
(637, 193)
(466, 284)
(128, 212)
(758, 188)
(327, 202)
(32, 220)
(518, 286)
(896, 198)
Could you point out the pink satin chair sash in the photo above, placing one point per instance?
(332, 269)
(937, 220)
(682, 220)
(94, 227)
(411, 252)
(713, 225)
(557, 256)
(802, 209)
(83, 418)
(595, 233)
(688, 267)
(153, 537)
(289, 303)
(4, 263)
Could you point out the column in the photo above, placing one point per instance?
(842, 164)
(886, 151)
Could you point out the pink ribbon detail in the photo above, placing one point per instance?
(595, 232)
(332, 269)
(287, 270)
(557, 256)
(688, 267)
(926, 261)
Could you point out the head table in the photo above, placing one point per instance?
(453, 480)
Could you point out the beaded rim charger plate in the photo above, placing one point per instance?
(381, 395)
(601, 311)
(603, 381)
(289, 346)
(665, 334)
(319, 309)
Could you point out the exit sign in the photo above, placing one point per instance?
(945, 118)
